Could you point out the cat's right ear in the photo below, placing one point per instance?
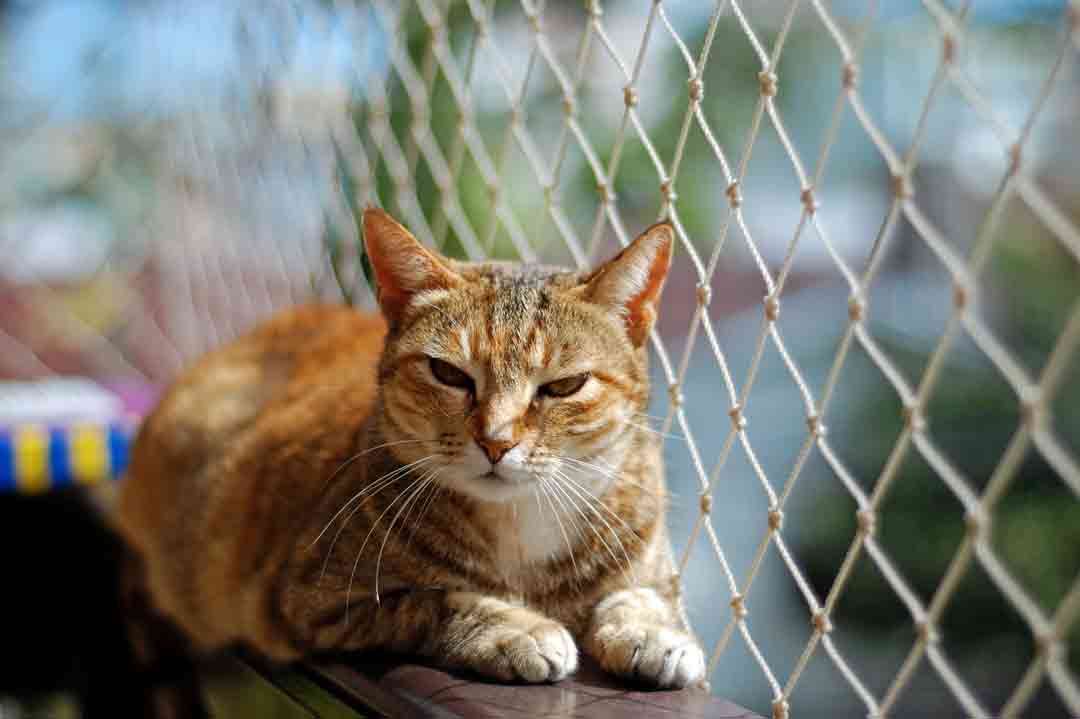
(403, 267)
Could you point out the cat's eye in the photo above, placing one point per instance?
(448, 374)
(566, 386)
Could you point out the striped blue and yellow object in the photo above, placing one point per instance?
(38, 458)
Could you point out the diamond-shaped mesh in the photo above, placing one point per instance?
(519, 172)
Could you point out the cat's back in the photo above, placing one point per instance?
(290, 384)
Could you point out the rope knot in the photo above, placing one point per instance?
(809, 202)
(568, 105)
(816, 426)
(704, 294)
(733, 194)
(780, 709)
(767, 81)
(960, 296)
(866, 521)
(676, 395)
(821, 622)
(668, 191)
(630, 96)
(737, 419)
(975, 524)
(705, 502)
(913, 418)
(948, 49)
(850, 77)
(855, 309)
(1031, 406)
(738, 607)
(697, 89)
(772, 308)
(1015, 156)
(926, 631)
(776, 519)
(605, 192)
(901, 187)
(1049, 646)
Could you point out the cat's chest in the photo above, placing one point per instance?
(532, 531)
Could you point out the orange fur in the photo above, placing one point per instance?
(316, 486)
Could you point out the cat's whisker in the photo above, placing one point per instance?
(379, 485)
(363, 545)
(655, 417)
(650, 430)
(598, 501)
(344, 465)
(614, 475)
(371, 488)
(421, 500)
(587, 521)
(536, 496)
(607, 472)
(549, 482)
(555, 513)
(629, 563)
(434, 495)
(428, 478)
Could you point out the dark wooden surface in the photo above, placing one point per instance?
(395, 688)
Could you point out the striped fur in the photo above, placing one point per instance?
(315, 485)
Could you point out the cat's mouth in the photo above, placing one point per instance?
(500, 483)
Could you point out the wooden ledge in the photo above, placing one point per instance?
(391, 687)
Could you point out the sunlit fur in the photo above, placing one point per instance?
(315, 486)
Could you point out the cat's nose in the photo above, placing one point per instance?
(494, 448)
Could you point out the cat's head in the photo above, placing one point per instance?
(497, 376)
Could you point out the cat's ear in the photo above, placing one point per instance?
(629, 284)
(403, 267)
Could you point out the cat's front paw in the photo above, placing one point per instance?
(542, 652)
(650, 653)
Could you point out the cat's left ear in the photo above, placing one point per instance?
(630, 283)
(403, 266)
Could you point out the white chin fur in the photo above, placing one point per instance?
(492, 489)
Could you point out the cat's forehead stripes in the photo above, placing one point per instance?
(506, 318)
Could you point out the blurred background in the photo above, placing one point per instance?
(172, 172)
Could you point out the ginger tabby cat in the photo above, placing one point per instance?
(469, 479)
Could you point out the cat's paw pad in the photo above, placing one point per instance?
(653, 654)
(543, 653)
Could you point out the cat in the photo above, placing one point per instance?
(467, 476)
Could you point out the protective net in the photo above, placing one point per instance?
(945, 138)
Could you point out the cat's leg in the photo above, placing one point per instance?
(636, 633)
(466, 630)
